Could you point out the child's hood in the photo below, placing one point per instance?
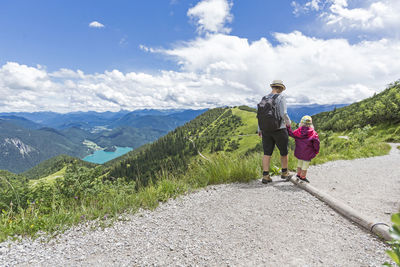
(307, 132)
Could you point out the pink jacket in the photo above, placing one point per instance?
(307, 142)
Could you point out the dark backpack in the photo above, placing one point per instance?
(267, 114)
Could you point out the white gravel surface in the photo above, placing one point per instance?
(231, 225)
(371, 185)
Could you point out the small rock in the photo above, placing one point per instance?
(3, 250)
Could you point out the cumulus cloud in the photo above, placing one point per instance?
(326, 71)
(378, 15)
(374, 15)
(96, 24)
(216, 70)
(211, 16)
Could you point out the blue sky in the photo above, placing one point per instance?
(193, 54)
(56, 33)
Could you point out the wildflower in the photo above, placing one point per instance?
(82, 217)
(75, 197)
(32, 225)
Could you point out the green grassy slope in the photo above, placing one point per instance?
(234, 131)
(228, 130)
(171, 152)
(156, 172)
(50, 166)
(381, 108)
(50, 179)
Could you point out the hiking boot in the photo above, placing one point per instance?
(304, 179)
(266, 179)
(286, 175)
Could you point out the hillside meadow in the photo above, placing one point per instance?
(74, 192)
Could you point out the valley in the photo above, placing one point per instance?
(26, 139)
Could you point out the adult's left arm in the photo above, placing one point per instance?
(290, 131)
(283, 110)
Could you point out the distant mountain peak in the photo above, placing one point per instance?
(23, 148)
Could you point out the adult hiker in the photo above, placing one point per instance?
(272, 121)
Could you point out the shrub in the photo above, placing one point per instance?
(394, 253)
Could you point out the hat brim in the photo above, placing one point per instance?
(278, 85)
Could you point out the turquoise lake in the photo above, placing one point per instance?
(101, 156)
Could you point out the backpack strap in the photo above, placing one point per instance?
(275, 96)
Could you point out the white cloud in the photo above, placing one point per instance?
(123, 41)
(147, 49)
(211, 16)
(22, 77)
(96, 24)
(215, 70)
(313, 5)
(373, 15)
(324, 71)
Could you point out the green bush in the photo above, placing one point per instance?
(394, 253)
(13, 191)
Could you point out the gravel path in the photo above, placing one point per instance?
(371, 185)
(237, 224)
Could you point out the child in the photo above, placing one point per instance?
(307, 146)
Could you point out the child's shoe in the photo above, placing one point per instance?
(304, 179)
(266, 179)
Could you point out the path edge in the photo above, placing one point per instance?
(378, 228)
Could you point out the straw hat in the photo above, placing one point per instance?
(278, 83)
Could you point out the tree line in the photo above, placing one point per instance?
(380, 108)
(171, 152)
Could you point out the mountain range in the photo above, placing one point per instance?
(27, 139)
